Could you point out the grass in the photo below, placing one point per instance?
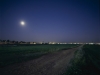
(15, 54)
(86, 61)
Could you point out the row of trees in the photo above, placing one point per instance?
(9, 41)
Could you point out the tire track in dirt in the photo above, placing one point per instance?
(51, 64)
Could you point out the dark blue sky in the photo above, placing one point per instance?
(50, 20)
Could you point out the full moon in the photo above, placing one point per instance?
(22, 23)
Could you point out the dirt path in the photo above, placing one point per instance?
(51, 64)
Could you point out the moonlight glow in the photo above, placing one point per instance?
(22, 23)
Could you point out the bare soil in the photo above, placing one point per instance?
(51, 64)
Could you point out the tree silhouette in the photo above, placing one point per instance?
(8, 40)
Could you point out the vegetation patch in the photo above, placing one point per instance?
(86, 61)
(15, 54)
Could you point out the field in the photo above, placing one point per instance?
(15, 54)
(86, 61)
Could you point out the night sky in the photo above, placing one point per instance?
(50, 20)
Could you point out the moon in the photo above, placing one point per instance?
(22, 23)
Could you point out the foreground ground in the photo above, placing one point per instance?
(11, 54)
(86, 61)
(51, 64)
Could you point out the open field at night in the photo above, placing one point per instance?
(49, 37)
(86, 61)
(15, 54)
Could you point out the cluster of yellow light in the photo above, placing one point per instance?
(34, 43)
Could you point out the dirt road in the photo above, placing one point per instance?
(51, 64)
